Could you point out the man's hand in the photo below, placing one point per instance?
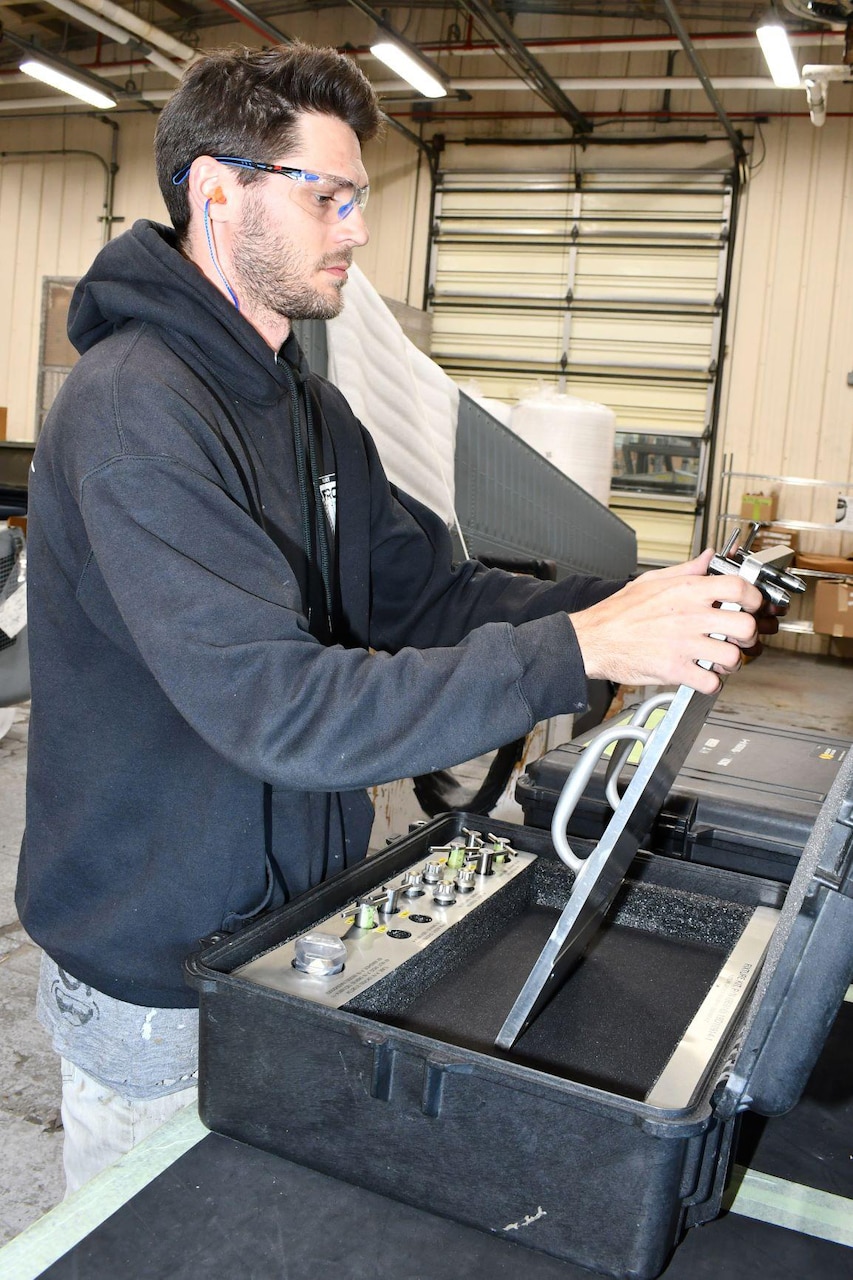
(656, 628)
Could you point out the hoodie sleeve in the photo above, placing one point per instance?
(420, 598)
(211, 607)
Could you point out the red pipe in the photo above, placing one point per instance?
(241, 17)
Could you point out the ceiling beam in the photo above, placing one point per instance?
(527, 65)
(695, 61)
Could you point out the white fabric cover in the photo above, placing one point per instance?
(405, 400)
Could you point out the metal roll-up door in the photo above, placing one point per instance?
(610, 284)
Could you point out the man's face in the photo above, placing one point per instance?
(289, 259)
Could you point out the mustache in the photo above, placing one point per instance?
(336, 260)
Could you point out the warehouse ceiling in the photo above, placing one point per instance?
(502, 57)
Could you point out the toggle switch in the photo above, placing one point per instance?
(456, 856)
(484, 862)
(388, 905)
(365, 915)
(501, 849)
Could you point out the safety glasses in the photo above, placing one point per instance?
(321, 194)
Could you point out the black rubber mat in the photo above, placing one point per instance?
(226, 1210)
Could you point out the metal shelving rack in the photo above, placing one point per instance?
(727, 518)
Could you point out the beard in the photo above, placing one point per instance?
(274, 275)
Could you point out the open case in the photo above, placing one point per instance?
(606, 1130)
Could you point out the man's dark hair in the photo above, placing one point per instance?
(245, 102)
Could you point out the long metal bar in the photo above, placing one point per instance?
(530, 67)
(710, 92)
(602, 875)
(254, 20)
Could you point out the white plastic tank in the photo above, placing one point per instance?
(576, 436)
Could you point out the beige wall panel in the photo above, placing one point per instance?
(50, 206)
(682, 277)
(394, 260)
(661, 535)
(137, 194)
(539, 337)
(787, 409)
(545, 159)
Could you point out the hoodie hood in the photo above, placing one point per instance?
(141, 276)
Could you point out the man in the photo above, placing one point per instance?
(222, 657)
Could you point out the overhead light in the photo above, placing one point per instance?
(778, 54)
(67, 84)
(414, 69)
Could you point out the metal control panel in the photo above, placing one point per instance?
(389, 925)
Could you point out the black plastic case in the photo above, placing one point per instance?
(746, 798)
(551, 1145)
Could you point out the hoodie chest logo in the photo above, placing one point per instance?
(329, 493)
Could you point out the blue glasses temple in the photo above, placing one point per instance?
(241, 163)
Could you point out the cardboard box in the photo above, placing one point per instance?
(823, 564)
(840, 647)
(759, 506)
(833, 608)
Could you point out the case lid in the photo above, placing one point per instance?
(808, 967)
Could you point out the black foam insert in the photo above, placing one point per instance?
(613, 1024)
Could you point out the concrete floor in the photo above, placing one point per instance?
(782, 688)
(31, 1179)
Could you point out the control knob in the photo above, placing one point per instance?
(465, 880)
(319, 954)
(412, 885)
(444, 893)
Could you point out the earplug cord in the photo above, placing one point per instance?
(231, 294)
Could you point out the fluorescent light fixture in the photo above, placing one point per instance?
(778, 54)
(415, 72)
(67, 84)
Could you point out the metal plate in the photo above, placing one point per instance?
(374, 953)
(605, 869)
(698, 1048)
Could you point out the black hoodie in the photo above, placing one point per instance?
(198, 745)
